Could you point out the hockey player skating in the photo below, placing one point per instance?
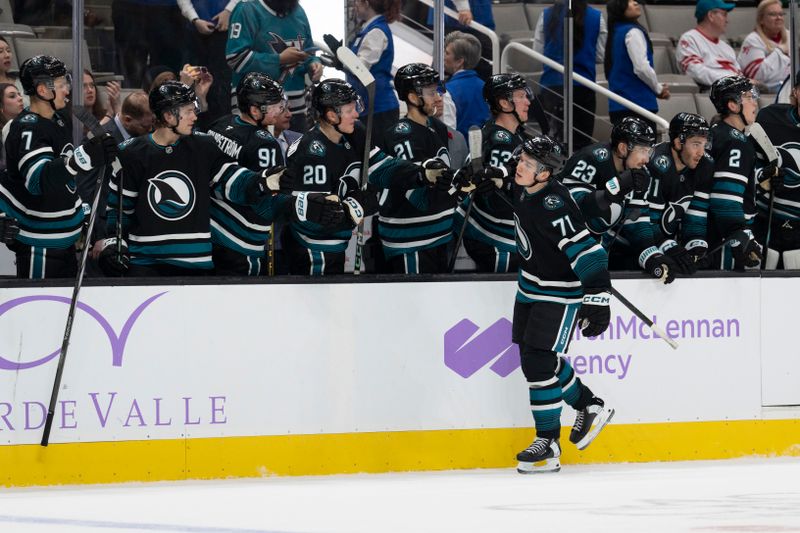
(239, 234)
(489, 237)
(327, 159)
(167, 178)
(782, 124)
(39, 189)
(609, 182)
(732, 204)
(563, 278)
(681, 178)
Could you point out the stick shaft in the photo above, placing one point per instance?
(461, 232)
(363, 177)
(635, 310)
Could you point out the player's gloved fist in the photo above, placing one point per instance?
(680, 256)
(698, 250)
(93, 153)
(771, 177)
(658, 265)
(9, 228)
(595, 313)
(488, 179)
(746, 250)
(319, 208)
(432, 169)
(114, 259)
(445, 181)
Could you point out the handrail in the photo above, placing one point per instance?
(583, 81)
(480, 28)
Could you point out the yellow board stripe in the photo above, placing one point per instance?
(297, 455)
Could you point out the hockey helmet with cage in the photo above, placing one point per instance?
(333, 94)
(413, 77)
(40, 69)
(258, 89)
(729, 88)
(169, 96)
(632, 131)
(502, 86)
(685, 125)
(546, 150)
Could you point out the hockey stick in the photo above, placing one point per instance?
(476, 162)
(81, 113)
(761, 139)
(353, 64)
(635, 310)
(271, 251)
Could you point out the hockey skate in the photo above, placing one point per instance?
(543, 455)
(589, 422)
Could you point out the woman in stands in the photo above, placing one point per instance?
(5, 67)
(765, 51)
(589, 31)
(374, 45)
(11, 105)
(629, 62)
(91, 101)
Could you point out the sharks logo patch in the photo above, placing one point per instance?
(601, 154)
(553, 202)
(30, 118)
(403, 128)
(501, 136)
(662, 163)
(263, 134)
(316, 148)
(171, 195)
(738, 135)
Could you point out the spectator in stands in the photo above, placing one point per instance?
(11, 105)
(765, 51)
(91, 101)
(589, 37)
(479, 11)
(283, 134)
(146, 32)
(208, 35)
(374, 45)
(702, 53)
(462, 52)
(5, 64)
(629, 62)
(273, 37)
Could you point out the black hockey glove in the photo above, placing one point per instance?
(432, 170)
(9, 228)
(364, 201)
(746, 250)
(632, 179)
(114, 259)
(334, 44)
(771, 177)
(486, 180)
(93, 153)
(319, 208)
(595, 313)
(265, 183)
(658, 265)
(685, 263)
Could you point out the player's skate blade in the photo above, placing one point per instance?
(541, 456)
(547, 466)
(603, 417)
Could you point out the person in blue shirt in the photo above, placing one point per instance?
(461, 53)
(589, 45)
(469, 11)
(629, 62)
(374, 45)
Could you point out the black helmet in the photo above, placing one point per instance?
(414, 76)
(332, 94)
(633, 131)
(40, 69)
(685, 125)
(169, 96)
(729, 88)
(503, 86)
(546, 151)
(257, 89)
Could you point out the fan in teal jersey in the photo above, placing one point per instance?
(563, 280)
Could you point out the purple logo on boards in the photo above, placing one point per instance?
(465, 354)
(117, 341)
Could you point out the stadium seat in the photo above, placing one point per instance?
(16, 30)
(510, 18)
(671, 20)
(664, 60)
(517, 61)
(679, 83)
(704, 106)
(602, 128)
(741, 21)
(532, 12)
(677, 103)
(6, 14)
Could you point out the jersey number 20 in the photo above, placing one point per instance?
(315, 175)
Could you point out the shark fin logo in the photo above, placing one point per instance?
(523, 243)
(171, 195)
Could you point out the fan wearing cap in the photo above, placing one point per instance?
(166, 180)
(563, 279)
(702, 53)
(732, 205)
(39, 189)
(781, 122)
(681, 179)
(609, 181)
